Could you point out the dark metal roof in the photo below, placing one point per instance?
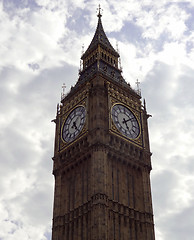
(100, 38)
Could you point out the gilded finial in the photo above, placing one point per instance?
(82, 49)
(99, 10)
(117, 46)
(137, 83)
(138, 88)
(63, 91)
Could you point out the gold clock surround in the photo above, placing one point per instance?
(64, 116)
(113, 129)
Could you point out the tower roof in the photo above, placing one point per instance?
(100, 38)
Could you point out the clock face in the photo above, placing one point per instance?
(125, 121)
(74, 124)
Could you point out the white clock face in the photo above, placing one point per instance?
(125, 121)
(74, 124)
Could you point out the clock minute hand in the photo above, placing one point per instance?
(76, 119)
(124, 121)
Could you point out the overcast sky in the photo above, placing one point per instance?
(40, 49)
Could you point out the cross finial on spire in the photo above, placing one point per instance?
(138, 89)
(137, 83)
(63, 91)
(99, 10)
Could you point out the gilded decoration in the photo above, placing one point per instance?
(72, 102)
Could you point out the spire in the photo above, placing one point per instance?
(100, 38)
(101, 58)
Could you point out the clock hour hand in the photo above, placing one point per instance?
(74, 125)
(125, 122)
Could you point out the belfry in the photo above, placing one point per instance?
(102, 158)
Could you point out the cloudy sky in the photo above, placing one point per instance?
(40, 47)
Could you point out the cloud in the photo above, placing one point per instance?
(32, 36)
(26, 150)
(168, 19)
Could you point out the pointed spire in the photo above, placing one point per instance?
(100, 38)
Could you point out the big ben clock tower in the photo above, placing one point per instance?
(102, 158)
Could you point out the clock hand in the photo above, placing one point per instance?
(76, 118)
(125, 122)
(74, 125)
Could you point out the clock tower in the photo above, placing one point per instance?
(102, 159)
